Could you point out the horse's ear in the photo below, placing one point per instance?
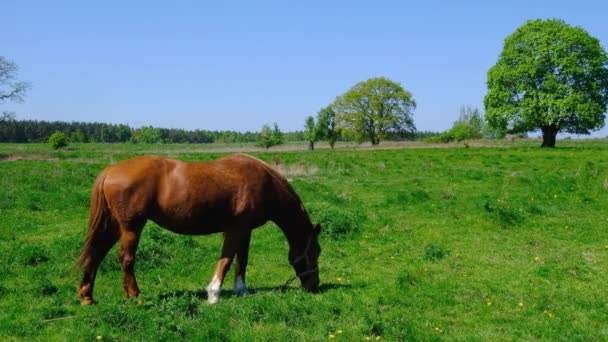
(317, 229)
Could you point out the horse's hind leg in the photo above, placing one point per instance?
(129, 240)
(242, 257)
(103, 243)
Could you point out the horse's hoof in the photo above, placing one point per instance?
(87, 301)
(241, 292)
(212, 298)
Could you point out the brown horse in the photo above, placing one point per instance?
(234, 195)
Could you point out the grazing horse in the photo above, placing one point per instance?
(233, 195)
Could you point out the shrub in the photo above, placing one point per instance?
(58, 140)
(470, 125)
(269, 137)
(147, 135)
(338, 223)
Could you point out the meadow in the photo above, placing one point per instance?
(495, 241)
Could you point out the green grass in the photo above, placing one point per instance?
(493, 243)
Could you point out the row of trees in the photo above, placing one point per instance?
(550, 77)
(22, 131)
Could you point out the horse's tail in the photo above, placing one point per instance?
(99, 220)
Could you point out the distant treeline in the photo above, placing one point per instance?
(34, 131)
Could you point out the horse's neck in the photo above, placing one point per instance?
(297, 228)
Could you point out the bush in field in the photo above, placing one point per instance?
(470, 125)
(336, 222)
(58, 140)
(270, 136)
(147, 135)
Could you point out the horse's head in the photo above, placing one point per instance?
(307, 264)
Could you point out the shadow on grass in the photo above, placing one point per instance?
(253, 291)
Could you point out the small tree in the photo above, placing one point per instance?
(371, 109)
(549, 76)
(58, 140)
(269, 137)
(311, 132)
(326, 126)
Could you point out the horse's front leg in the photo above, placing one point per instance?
(242, 257)
(231, 242)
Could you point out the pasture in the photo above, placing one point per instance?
(504, 242)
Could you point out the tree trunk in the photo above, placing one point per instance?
(549, 135)
(311, 145)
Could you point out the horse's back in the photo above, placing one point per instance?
(196, 197)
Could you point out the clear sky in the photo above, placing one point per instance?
(238, 65)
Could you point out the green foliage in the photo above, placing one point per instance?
(338, 223)
(470, 125)
(311, 132)
(549, 76)
(326, 126)
(78, 136)
(270, 137)
(372, 109)
(58, 140)
(147, 135)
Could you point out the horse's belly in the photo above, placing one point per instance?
(192, 224)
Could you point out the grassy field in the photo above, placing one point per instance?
(508, 242)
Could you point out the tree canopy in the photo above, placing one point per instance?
(326, 126)
(269, 137)
(311, 132)
(10, 88)
(374, 108)
(551, 77)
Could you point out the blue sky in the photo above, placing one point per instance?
(239, 65)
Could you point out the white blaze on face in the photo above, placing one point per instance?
(213, 290)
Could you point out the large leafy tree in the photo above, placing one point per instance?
(550, 77)
(10, 88)
(371, 109)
